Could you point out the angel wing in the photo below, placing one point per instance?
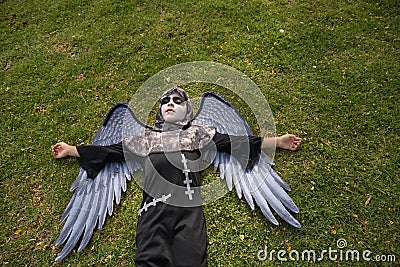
(260, 183)
(94, 198)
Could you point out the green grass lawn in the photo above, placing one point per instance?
(329, 70)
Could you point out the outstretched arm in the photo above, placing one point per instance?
(287, 141)
(92, 158)
(62, 150)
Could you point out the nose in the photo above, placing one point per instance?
(170, 103)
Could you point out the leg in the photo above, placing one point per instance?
(153, 247)
(189, 247)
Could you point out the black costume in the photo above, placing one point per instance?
(169, 235)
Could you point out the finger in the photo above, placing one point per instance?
(55, 146)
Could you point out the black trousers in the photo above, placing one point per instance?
(171, 236)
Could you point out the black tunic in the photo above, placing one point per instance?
(171, 234)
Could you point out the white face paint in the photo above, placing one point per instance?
(173, 108)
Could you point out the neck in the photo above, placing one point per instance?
(171, 126)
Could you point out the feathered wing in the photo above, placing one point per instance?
(94, 198)
(260, 184)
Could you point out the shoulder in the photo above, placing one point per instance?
(208, 130)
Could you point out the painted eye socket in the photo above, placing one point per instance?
(176, 99)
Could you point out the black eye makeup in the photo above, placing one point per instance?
(176, 99)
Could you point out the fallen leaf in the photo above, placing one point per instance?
(368, 200)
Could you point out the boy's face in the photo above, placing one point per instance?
(173, 108)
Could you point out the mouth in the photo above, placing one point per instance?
(169, 110)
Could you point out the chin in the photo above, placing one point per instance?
(170, 120)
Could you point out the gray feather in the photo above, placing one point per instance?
(260, 183)
(94, 199)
